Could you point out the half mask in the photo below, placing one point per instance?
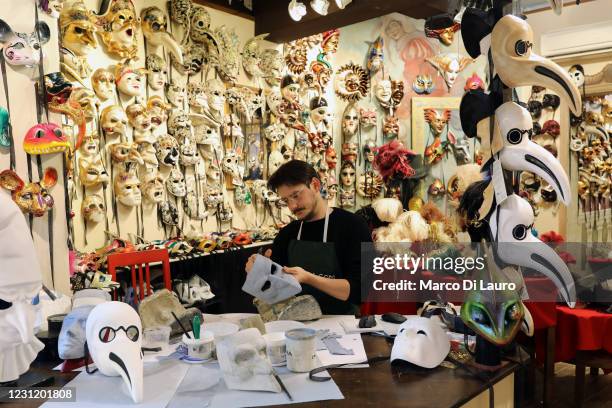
(45, 138)
(92, 172)
(423, 84)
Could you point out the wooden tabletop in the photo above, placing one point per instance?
(376, 386)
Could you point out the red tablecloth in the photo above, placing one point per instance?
(581, 329)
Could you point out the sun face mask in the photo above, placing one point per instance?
(127, 189)
(167, 150)
(272, 67)
(77, 34)
(103, 83)
(511, 224)
(23, 48)
(129, 81)
(119, 28)
(32, 198)
(92, 172)
(423, 84)
(114, 121)
(175, 183)
(369, 185)
(155, 30)
(156, 72)
(93, 208)
(449, 66)
(45, 138)
(516, 65)
(268, 282)
(352, 82)
(114, 340)
(420, 341)
(153, 187)
(20, 282)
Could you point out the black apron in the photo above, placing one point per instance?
(320, 259)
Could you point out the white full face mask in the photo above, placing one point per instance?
(382, 91)
(114, 340)
(350, 121)
(93, 208)
(215, 94)
(420, 341)
(127, 189)
(176, 95)
(510, 225)
(156, 72)
(244, 363)
(153, 187)
(274, 100)
(103, 84)
(175, 183)
(20, 282)
(130, 83)
(268, 282)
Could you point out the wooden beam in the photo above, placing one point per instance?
(272, 16)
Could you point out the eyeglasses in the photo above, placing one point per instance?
(107, 334)
(293, 197)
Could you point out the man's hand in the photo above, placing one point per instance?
(251, 260)
(298, 273)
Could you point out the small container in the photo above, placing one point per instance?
(301, 350)
(276, 348)
(158, 336)
(201, 348)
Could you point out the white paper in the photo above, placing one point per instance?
(96, 390)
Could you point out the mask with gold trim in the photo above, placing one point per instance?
(156, 72)
(119, 28)
(449, 66)
(31, 198)
(167, 150)
(77, 35)
(129, 80)
(152, 185)
(423, 84)
(90, 146)
(139, 119)
(92, 172)
(125, 153)
(93, 208)
(158, 110)
(85, 101)
(113, 121)
(352, 82)
(127, 189)
(103, 83)
(155, 30)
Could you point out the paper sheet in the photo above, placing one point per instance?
(350, 341)
(96, 390)
(203, 386)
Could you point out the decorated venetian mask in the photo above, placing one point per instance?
(449, 66)
(149, 155)
(367, 117)
(175, 183)
(189, 155)
(382, 91)
(290, 89)
(167, 150)
(437, 120)
(23, 48)
(375, 57)
(391, 127)
(474, 82)
(52, 7)
(139, 119)
(129, 80)
(196, 95)
(331, 157)
(274, 100)
(179, 124)
(215, 94)
(349, 152)
(347, 174)
(92, 172)
(319, 114)
(93, 208)
(200, 24)
(423, 84)
(576, 73)
(175, 94)
(156, 72)
(90, 146)
(207, 135)
(158, 110)
(352, 82)
(85, 101)
(272, 66)
(103, 83)
(369, 151)
(125, 153)
(77, 29)
(369, 185)
(154, 28)
(127, 189)
(113, 121)
(120, 27)
(152, 185)
(350, 121)
(31, 198)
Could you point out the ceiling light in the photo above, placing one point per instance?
(320, 6)
(297, 10)
(343, 3)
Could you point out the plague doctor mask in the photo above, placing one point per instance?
(114, 121)
(23, 48)
(268, 282)
(155, 30)
(77, 35)
(20, 282)
(114, 339)
(420, 341)
(119, 27)
(32, 198)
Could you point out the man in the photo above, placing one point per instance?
(322, 248)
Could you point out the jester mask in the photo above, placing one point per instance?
(32, 198)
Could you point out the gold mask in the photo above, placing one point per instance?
(77, 28)
(120, 27)
(103, 83)
(85, 101)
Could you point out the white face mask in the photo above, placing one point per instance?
(20, 282)
(382, 91)
(243, 361)
(420, 341)
(93, 209)
(130, 84)
(114, 340)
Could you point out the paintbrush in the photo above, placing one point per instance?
(280, 382)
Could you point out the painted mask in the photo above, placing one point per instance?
(367, 118)
(127, 189)
(251, 56)
(474, 82)
(376, 56)
(263, 193)
(352, 82)
(449, 66)
(158, 110)
(331, 157)
(45, 138)
(200, 24)
(20, 282)
(349, 152)
(179, 124)
(156, 72)
(125, 153)
(129, 81)
(149, 155)
(214, 195)
(139, 119)
(423, 84)
(295, 56)
(168, 213)
(437, 120)
(274, 100)
(114, 339)
(85, 101)
(196, 95)
(577, 75)
(90, 146)
(436, 189)
(551, 127)
(215, 94)
(347, 197)
(93, 208)
(32, 198)
(275, 132)
(52, 7)
(461, 149)
(193, 57)
(213, 174)
(369, 151)
(382, 91)
(230, 164)
(189, 155)
(272, 66)
(92, 172)
(228, 55)
(5, 137)
(152, 185)
(442, 27)
(77, 33)
(322, 71)
(391, 127)
(347, 174)
(176, 95)
(114, 121)
(154, 28)
(167, 151)
(119, 28)
(207, 135)
(192, 208)
(369, 185)
(290, 89)
(103, 84)
(175, 183)
(23, 48)
(319, 114)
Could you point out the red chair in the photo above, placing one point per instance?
(141, 258)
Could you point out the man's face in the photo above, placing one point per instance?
(301, 199)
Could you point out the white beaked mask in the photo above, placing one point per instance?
(20, 282)
(420, 341)
(244, 363)
(114, 340)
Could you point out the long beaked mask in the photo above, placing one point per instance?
(517, 65)
(155, 30)
(103, 83)
(153, 187)
(511, 226)
(20, 282)
(23, 48)
(125, 152)
(119, 28)
(77, 29)
(32, 198)
(93, 208)
(114, 339)
(114, 121)
(92, 172)
(127, 189)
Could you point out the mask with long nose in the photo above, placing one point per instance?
(114, 339)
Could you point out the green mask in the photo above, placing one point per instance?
(5, 140)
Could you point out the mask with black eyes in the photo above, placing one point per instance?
(420, 341)
(23, 48)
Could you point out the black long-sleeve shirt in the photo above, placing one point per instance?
(346, 230)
